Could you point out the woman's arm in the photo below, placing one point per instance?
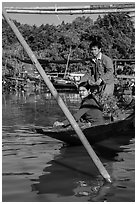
(77, 117)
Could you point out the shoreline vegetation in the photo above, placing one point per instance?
(53, 44)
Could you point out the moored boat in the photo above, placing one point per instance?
(61, 83)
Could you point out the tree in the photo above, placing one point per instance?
(120, 33)
(116, 31)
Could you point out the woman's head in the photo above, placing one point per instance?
(84, 89)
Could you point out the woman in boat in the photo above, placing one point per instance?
(90, 112)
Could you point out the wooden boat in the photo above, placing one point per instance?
(94, 134)
(61, 83)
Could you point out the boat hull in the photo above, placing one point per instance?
(93, 134)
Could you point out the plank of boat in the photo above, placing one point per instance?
(94, 134)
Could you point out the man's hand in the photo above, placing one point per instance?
(57, 123)
(98, 82)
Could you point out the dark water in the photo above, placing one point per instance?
(37, 168)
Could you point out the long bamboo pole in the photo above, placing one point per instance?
(62, 105)
(71, 12)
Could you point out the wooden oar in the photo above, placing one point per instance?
(62, 105)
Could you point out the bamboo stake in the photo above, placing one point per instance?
(62, 105)
(67, 63)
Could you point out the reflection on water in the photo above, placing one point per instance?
(36, 168)
(71, 175)
(41, 109)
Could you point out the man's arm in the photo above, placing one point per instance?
(108, 75)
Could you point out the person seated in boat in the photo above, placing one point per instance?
(90, 112)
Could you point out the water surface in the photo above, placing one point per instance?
(37, 168)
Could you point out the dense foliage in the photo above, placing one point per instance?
(51, 42)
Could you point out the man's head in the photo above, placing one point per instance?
(84, 89)
(95, 48)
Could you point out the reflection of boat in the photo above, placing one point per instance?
(61, 83)
(93, 134)
(72, 174)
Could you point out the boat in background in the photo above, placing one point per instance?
(61, 83)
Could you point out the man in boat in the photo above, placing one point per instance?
(101, 72)
(90, 112)
(101, 75)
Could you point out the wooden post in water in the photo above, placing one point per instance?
(67, 63)
(62, 105)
